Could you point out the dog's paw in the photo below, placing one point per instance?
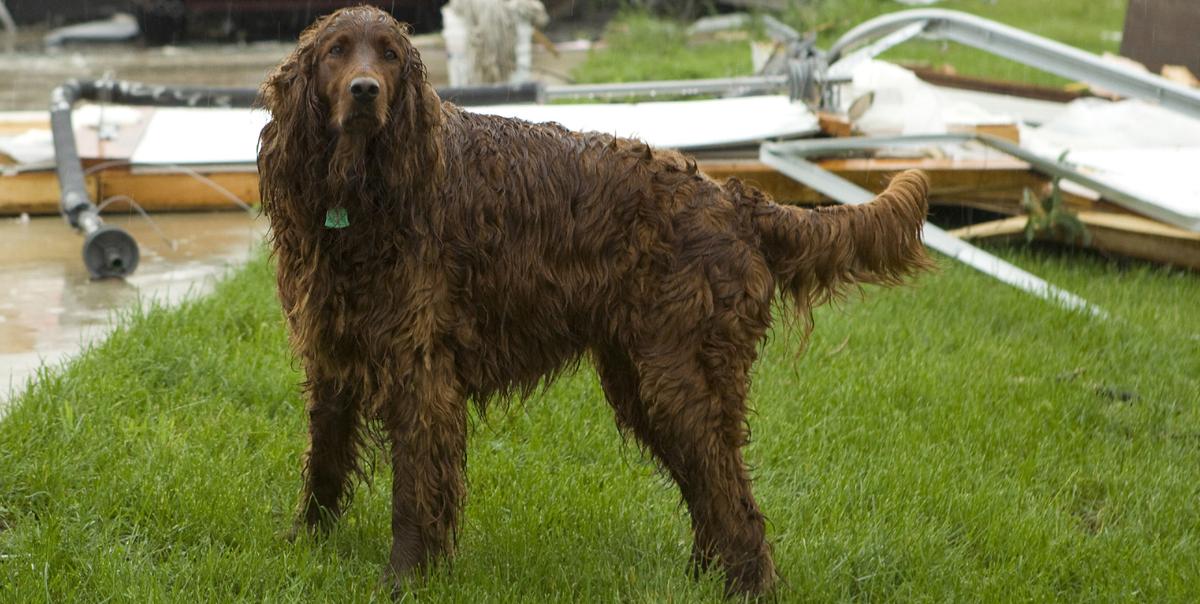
(297, 531)
(401, 583)
(756, 580)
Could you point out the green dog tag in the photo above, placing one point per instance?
(336, 218)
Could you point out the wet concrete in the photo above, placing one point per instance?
(49, 307)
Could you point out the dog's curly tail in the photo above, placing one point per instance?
(816, 255)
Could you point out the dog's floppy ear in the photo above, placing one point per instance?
(417, 112)
(297, 128)
(289, 92)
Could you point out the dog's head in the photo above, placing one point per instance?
(352, 100)
(355, 72)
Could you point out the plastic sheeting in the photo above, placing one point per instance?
(1146, 150)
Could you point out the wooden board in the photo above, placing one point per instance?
(1123, 234)
(168, 192)
(944, 79)
(34, 193)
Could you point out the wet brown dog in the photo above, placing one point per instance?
(428, 257)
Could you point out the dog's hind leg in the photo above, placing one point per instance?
(334, 423)
(696, 432)
(428, 431)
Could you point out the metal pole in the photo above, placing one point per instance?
(742, 85)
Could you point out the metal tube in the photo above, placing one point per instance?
(742, 85)
(1033, 50)
(108, 251)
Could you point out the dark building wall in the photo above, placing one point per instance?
(1159, 32)
(59, 12)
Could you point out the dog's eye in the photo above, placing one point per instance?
(391, 55)
(336, 51)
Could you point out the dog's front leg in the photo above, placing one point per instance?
(334, 423)
(428, 432)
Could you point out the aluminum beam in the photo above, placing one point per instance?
(1024, 47)
(742, 85)
(789, 161)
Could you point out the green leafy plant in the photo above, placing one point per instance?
(1049, 216)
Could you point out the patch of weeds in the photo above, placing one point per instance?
(1049, 217)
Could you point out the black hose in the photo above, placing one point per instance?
(109, 251)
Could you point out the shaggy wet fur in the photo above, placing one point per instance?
(483, 255)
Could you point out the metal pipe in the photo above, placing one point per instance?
(741, 85)
(109, 251)
(1033, 50)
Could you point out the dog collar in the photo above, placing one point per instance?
(336, 218)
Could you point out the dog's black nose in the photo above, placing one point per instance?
(364, 89)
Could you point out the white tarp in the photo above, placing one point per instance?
(227, 136)
(1137, 147)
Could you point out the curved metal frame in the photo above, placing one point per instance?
(1030, 49)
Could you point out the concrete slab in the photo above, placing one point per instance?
(49, 308)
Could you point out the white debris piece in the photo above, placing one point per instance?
(1131, 145)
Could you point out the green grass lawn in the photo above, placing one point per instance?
(646, 48)
(953, 440)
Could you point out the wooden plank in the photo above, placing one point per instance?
(168, 192)
(38, 192)
(992, 229)
(942, 78)
(20, 126)
(835, 125)
(33, 193)
(994, 185)
(1139, 237)
(1122, 234)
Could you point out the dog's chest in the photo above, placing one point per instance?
(373, 304)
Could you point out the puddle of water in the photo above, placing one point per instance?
(49, 308)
